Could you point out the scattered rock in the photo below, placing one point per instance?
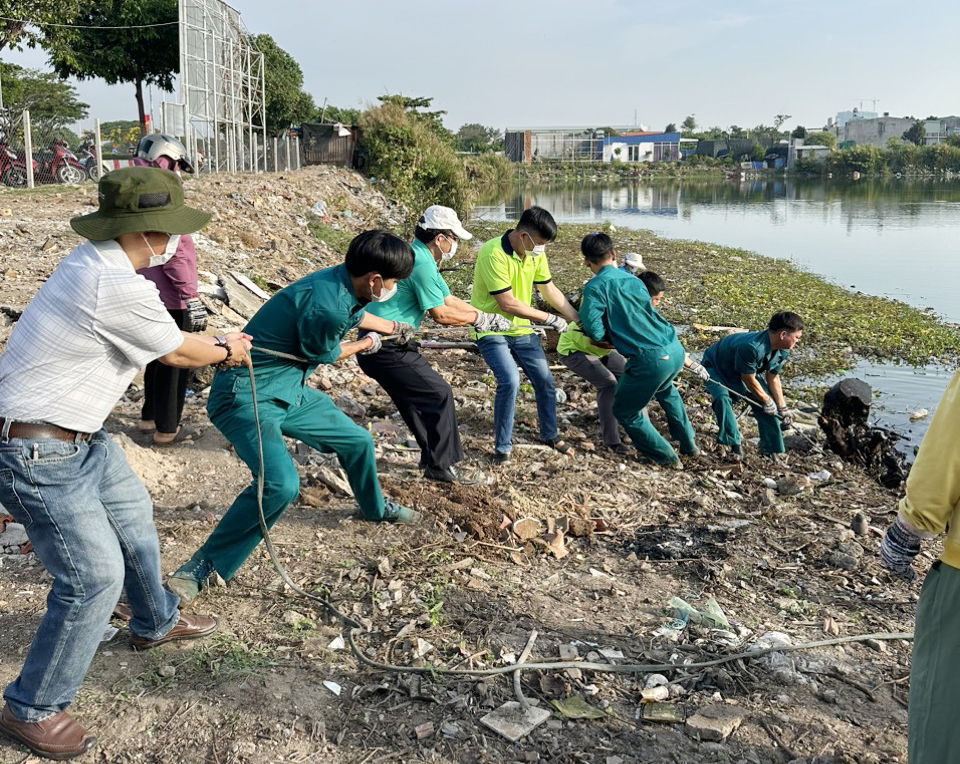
(715, 722)
(860, 524)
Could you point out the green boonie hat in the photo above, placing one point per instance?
(139, 199)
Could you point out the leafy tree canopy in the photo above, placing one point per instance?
(670, 128)
(418, 107)
(477, 138)
(53, 103)
(15, 31)
(287, 104)
(689, 124)
(916, 134)
(142, 56)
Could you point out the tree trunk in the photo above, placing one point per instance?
(143, 117)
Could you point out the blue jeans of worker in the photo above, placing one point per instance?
(90, 521)
(315, 420)
(502, 355)
(650, 375)
(771, 436)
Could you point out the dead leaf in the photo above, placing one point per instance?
(575, 707)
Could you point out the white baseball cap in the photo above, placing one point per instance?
(440, 218)
(634, 260)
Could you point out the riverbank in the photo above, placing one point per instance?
(563, 172)
(603, 545)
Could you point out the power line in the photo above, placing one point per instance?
(85, 26)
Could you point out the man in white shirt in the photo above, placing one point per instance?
(72, 354)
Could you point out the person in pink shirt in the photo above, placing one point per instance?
(165, 387)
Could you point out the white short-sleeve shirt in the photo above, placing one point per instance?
(81, 340)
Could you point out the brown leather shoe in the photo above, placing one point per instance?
(190, 626)
(56, 737)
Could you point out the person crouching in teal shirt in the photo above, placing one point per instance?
(616, 308)
(308, 319)
(736, 362)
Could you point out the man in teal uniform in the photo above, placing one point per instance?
(423, 397)
(616, 308)
(308, 319)
(736, 362)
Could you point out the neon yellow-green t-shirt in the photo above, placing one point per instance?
(574, 340)
(498, 269)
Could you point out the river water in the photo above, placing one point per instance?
(892, 238)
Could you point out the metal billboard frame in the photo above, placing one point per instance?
(221, 87)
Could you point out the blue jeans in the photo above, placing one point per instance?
(90, 520)
(502, 355)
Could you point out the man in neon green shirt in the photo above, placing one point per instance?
(602, 367)
(507, 271)
(423, 397)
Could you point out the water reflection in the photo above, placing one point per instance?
(893, 238)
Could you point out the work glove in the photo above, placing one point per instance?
(405, 333)
(700, 371)
(900, 545)
(491, 322)
(557, 323)
(196, 320)
(770, 407)
(786, 418)
(375, 347)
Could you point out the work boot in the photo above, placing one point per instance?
(399, 514)
(188, 627)
(187, 581)
(621, 449)
(448, 475)
(500, 457)
(57, 737)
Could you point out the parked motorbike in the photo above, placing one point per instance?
(13, 172)
(87, 156)
(57, 164)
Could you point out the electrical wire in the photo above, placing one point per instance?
(86, 26)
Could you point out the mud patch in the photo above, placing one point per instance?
(661, 542)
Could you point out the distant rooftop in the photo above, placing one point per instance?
(575, 128)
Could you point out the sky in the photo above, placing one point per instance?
(509, 63)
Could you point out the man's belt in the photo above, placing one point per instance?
(42, 430)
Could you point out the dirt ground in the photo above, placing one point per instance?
(606, 542)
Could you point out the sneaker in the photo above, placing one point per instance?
(674, 465)
(448, 475)
(777, 458)
(399, 514)
(500, 457)
(187, 581)
(621, 449)
(736, 452)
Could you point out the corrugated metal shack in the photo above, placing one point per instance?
(329, 144)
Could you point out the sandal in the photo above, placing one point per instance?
(560, 445)
(182, 435)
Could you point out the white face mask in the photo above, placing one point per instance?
(385, 294)
(444, 256)
(168, 252)
(536, 250)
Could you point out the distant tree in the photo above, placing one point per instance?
(331, 114)
(953, 140)
(822, 138)
(689, 124)
(779, 120)
(917, 133)
(286, 104)
(477, 138)
(417, 106)
(670, 128)
(799, 132)
(142, 56)
(53, 103)
(14, 31)
(737, 132)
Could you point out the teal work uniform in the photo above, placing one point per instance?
(308, 319)
(727, 360)
(422, 290)
(616, 307)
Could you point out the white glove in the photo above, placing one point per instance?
(770, 407)
(700, 371)
(491, 322)
(557, 323)
(786, 418)
(375, 347)
(405, 332)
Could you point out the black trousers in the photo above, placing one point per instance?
(424, 399)
(164, 388)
